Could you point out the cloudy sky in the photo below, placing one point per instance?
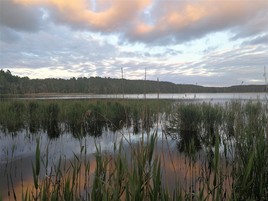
(208, 42)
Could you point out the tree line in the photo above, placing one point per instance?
(11, 84)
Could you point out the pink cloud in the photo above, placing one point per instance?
(176, 20)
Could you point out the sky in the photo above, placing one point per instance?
(204, 42)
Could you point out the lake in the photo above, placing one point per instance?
(215, 97)
(18, 145)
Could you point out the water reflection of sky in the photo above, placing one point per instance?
(20, 150)
(207, 97)
(24, 144)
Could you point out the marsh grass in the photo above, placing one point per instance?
(80, 117)
(235, 137)
(224, 149)
(251, 155)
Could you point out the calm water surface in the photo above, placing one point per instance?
(18, 152)
(215, 97)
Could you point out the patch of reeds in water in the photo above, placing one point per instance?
(80, 117)
(225, 158)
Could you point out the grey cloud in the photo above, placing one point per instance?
(7, 35)
(253, 26)
(263, 39)
(57, 46)
(233, 66)
(19, 17)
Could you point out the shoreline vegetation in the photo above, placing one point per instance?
(10, 84)
(221, 150)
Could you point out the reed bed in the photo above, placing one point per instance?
(221, 151)
(80, 117)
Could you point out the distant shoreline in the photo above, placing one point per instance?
(17, 86)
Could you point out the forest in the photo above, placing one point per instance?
(11, 84)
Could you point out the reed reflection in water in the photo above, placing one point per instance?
(194, 142)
